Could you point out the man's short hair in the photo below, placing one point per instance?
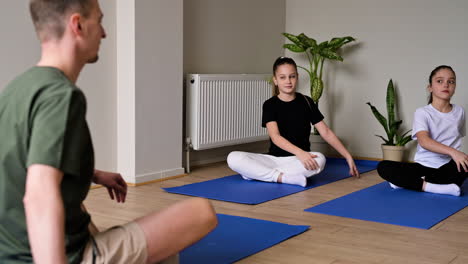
(48, 15)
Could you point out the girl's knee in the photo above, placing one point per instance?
(383, 168)
(235, 158)
(320, 159)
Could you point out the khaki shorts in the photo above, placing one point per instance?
(119, 244)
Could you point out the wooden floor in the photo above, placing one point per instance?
(330, 239)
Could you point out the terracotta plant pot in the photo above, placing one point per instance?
(394, 153)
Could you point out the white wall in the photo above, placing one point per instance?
(402, 40)
(225, 36)
(20, 50)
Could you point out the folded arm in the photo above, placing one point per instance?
(460, 158)
(305, 157)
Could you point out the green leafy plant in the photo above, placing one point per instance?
(316, 54)
(390, 125)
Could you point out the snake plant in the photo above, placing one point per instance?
(390, 125)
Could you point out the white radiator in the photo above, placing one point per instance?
(225, 109)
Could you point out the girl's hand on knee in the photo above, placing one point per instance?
(308, 160)
(461, 159)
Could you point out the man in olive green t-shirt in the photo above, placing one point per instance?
(40, 110)
(47, 159)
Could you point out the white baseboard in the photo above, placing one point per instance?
(208, 161)
(146, 177)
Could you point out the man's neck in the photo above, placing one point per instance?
(54, 55)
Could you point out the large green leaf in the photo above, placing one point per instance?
(396, 125)
(390, 103)
(306, 41)
(382, 120)
(316, 89)
(393, 130)
(404, 141)
(329, 54)
(386, 141)
(404, 134)
(293, 48)
(323, 45)
(294, 39)
(336, 43)
(314, 50)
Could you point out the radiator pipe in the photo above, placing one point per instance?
(188, 145)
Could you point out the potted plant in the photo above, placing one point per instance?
(316, 54)
(393, 146)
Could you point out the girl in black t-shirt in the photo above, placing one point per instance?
(288, 116)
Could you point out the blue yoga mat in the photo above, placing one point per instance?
(238, 237)
(235, 189)
(380, 203)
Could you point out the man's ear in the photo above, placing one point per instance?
(74, 23)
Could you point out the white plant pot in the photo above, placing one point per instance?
(394, 153)
(317, 144)
(316, 139)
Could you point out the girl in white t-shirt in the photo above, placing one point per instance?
(440, 165)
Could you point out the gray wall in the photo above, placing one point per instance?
(99, 82)
(402, 40)
(159, 40)
(225, 36)
(399, 39)
(20, 50)
(20, 47)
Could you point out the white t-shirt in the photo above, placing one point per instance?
(445, 128)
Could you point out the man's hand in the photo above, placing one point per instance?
(115, 184)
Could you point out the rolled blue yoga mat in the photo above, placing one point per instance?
(235, 189)
(380, 203)
(238, 237)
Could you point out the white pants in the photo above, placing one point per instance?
(263, 167)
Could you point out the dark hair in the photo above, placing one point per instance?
(278, 62)
(434, 72)
(48, 15)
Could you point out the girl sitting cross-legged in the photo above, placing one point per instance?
(440, 166)
(288, 116)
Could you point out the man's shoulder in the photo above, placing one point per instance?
(40, 76)
(42, 83)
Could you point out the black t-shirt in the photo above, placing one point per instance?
(293, 119)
